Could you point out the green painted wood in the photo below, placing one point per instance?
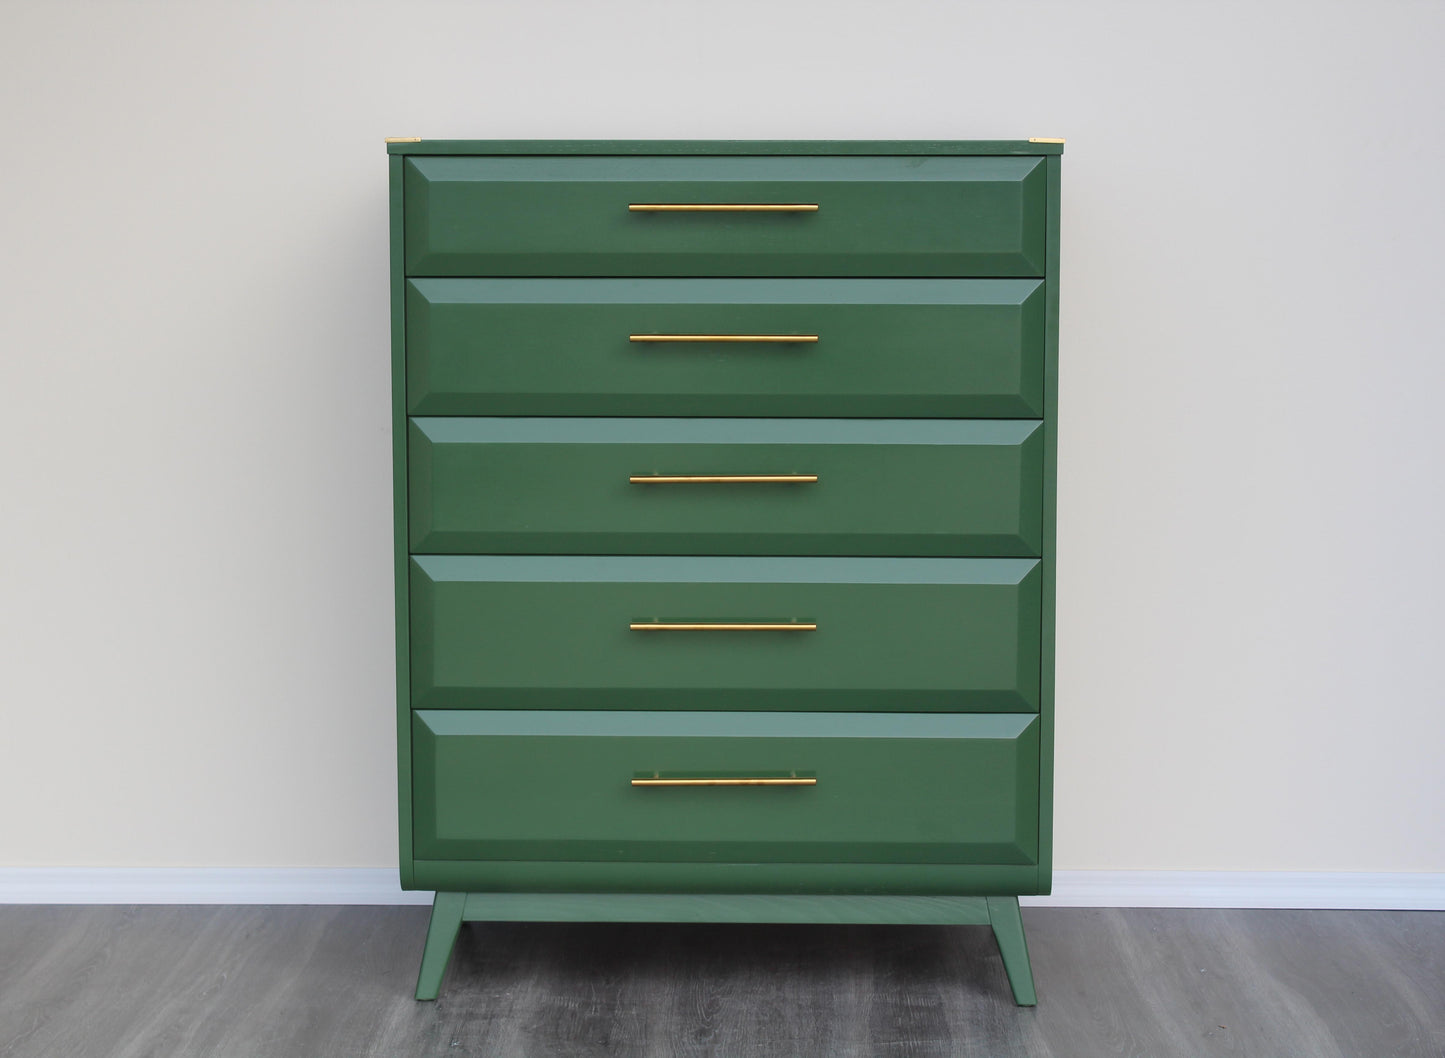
(969, 348)
(556, 876)
(544, 784)
(894, 635)
(725, 907)
(761, 147)
(885, 487)
(1008, 930)
(886, 347)
(1048, 567)
(568, 216)
(441, 936)
(399, 524)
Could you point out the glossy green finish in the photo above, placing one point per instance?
(886, 347)
(760, 147)
(441, 936)
(595, 876)
(399, 528)
(725, 907)
(885, 487)
(877, 216)
(1008, 930)
(543, 784)
(894, 634)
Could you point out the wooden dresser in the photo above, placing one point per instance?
(725, 531)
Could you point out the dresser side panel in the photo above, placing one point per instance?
(399, 524)
(1049, 564)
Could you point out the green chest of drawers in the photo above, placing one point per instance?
(725, 531)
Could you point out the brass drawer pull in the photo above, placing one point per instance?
(723, 479)
(790, 781)
(723, 626)
(723, 207)
(773, 338)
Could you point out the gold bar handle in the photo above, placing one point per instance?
(723, 479)
(723, 207)
(792, 781)
(722, 626)
(771, 338)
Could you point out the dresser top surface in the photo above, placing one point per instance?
(705, 147)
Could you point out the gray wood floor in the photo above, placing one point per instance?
(313, 982)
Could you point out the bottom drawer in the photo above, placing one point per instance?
(856, 787)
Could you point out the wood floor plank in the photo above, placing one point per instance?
(326, 982)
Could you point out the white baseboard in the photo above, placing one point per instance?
(366, 885)
(1281, 889)
(204, 885)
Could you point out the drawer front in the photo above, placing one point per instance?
(875, 216)
(518, 785)
(953, 348)
(861, 487)
(891, 635)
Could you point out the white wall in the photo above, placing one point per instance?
(195, 617)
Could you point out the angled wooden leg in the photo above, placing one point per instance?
(446, 920)
(1008, 930)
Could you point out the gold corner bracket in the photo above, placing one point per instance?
(403, 139)
(1046, 139)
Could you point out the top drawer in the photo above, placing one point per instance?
(875, 216)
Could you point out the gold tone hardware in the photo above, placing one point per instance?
(403, 139)
(1046, 139)
(794, 781)
(723, 207)
(722, 479)
(722, 337)
(719, 626)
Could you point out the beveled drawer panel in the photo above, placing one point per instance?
(628, 486)
(544, 785)
(874, 216)
(890, 634)
(888, 348)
